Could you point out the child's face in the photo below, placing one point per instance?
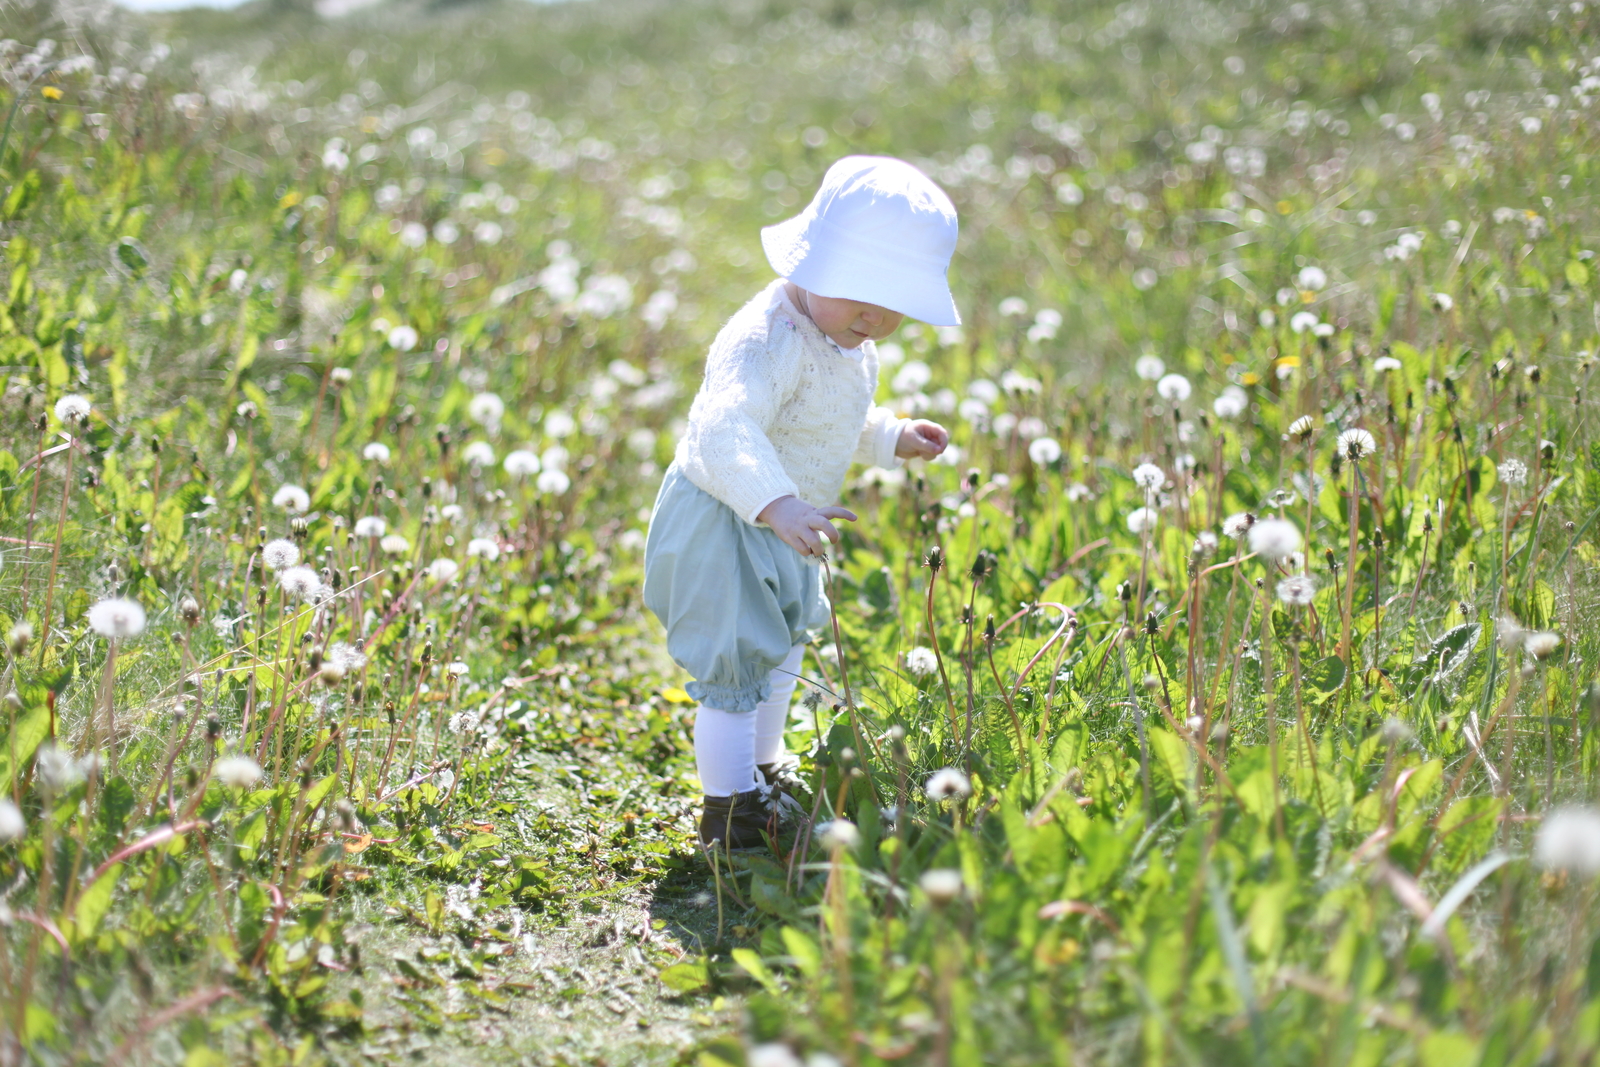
(847, 323)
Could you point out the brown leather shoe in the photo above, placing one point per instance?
(744, 820)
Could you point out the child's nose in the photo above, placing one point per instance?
(872, 316)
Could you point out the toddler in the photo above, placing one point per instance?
(736, 537)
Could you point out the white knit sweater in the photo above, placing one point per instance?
(782, 411)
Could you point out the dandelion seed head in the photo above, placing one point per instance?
(452, 513)
(57, 770)
(12, 825)
(1297, 590)
(1355, 443)
(291, 498)
(395, 545)
(772, 1054)
(347, 656)
(941, 884)
(341, 375)
(1569, 840)
(73, 407)
(839, 835)
(1301, 321)
(376, 452)
(299, 583)
(521, 463)
(1443, 301)
(1313, 278)
(279, 554)
(948, 784)
(1302, 426)
(478, 454)
(1077, 492)
(1237, 525)
(1509, 633)
(370, 526)
(1150, 368)
(1044, 451)
(921, 662)
(1385, 364)
(1513, 472)
(403, 338)
(1149, 477)
(1541, 644)
(1273, 539)
(553, 482)
(486, 409)
(484, 548)
(236, 772)
(1174, 388)
(1142, 520)
(443, 569)
(1231, 403)
(1205, 544)
(117, 618)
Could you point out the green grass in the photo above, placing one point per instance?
(1206, 824)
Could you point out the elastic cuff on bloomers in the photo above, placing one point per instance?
(732, 698)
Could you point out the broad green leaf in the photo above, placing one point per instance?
(93, 904)
(686, 977)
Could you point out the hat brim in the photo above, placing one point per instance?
(856, 273)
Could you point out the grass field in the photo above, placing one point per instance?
(1223, 696)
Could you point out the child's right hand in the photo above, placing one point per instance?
(801, 526)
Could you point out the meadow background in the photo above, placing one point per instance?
(1223, 696)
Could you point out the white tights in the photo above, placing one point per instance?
(729, 744)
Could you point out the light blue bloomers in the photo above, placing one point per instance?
(733, 597)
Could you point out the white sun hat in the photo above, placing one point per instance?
(880, 231)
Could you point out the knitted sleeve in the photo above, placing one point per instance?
(750, 374)
(879, 437)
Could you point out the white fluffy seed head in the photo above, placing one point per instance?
(1044, 451)
(948, 784)
(1149, 367)
(1142, 520)
(371, 526)
(376, 452)
(395, 545)
(486, 409)
(279, 554)
(1174, 388)
(299, 583)
(1237, 525)
(291, 498)
(117, 618)
(921, 662)
(1542, 645)
(73, 407)
(1513, 472)
(1569, 840)
(1274, 539)
(554, 482)
(839, 835)
(1297, 590)
(941, 884)
(484, 548)
(236, 772)
(1149, 477)
(443, 569)
(1356, 443)
(521, 463)
(478, 454)
(12, 825)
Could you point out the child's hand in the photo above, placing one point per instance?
(922, 440)
(801, 526)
